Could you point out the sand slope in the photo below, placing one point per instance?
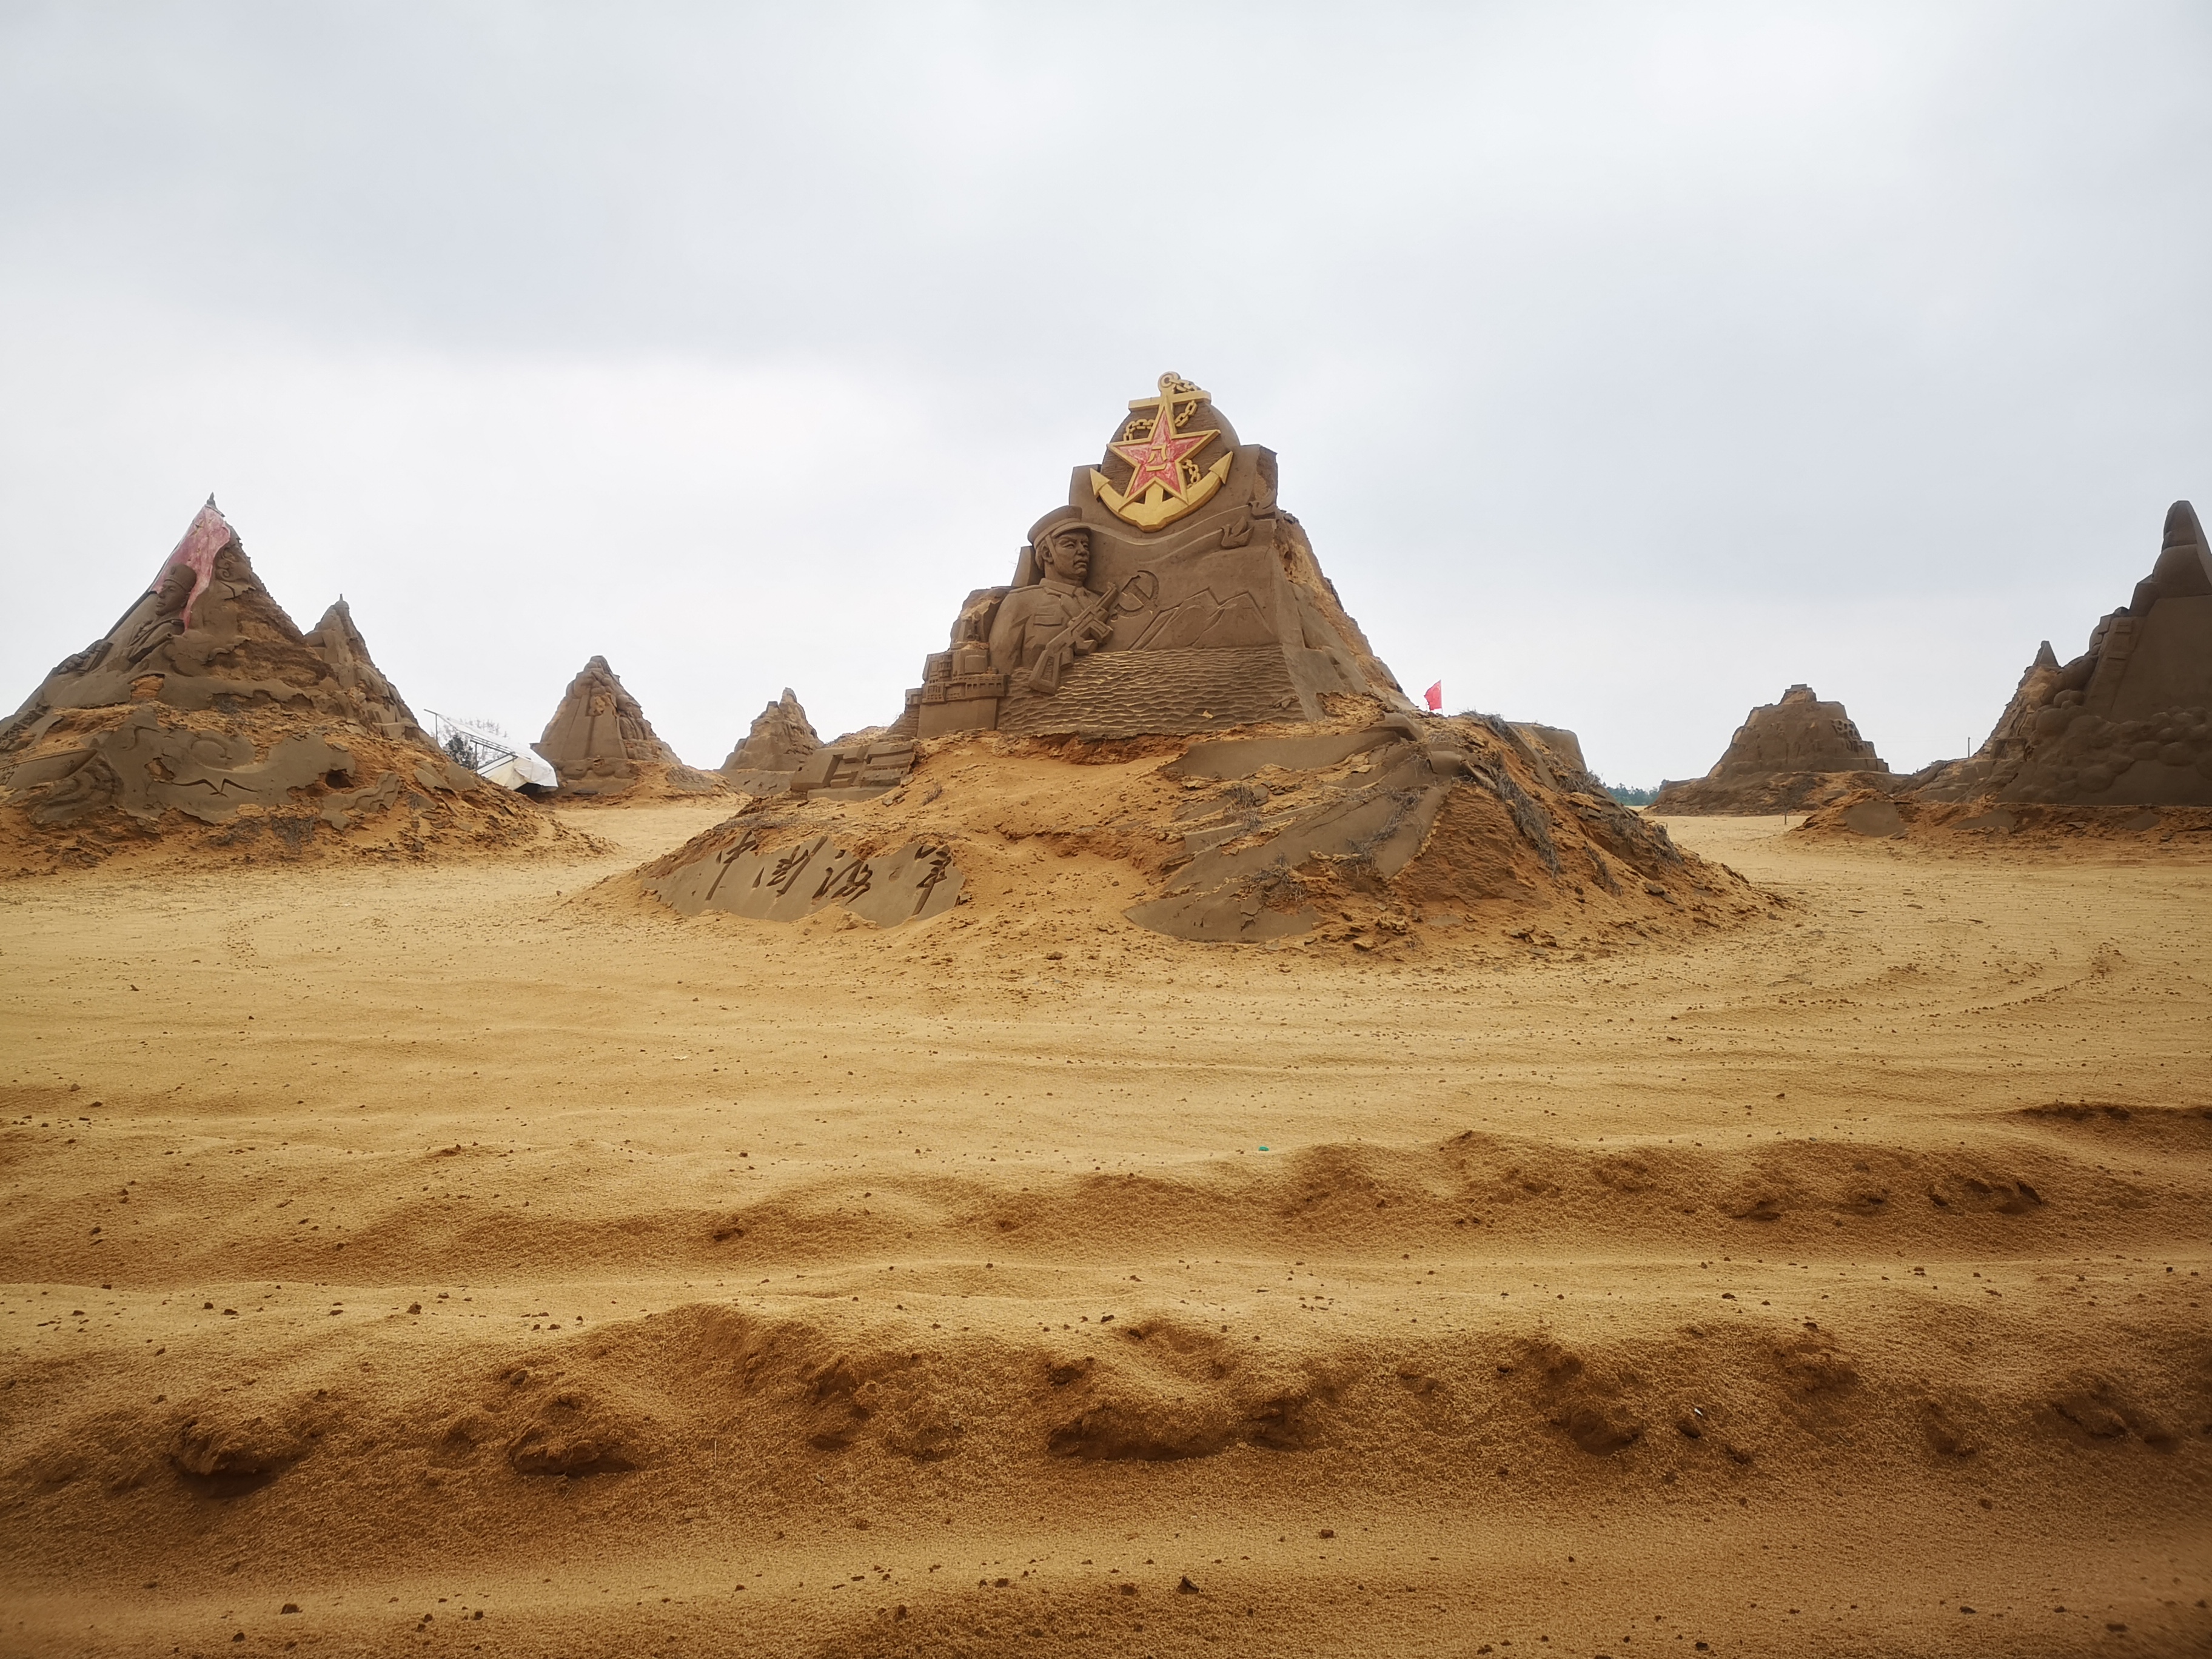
(475, 1257)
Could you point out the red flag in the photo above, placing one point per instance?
(1435, 695)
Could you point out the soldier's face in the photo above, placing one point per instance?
(1067, 555)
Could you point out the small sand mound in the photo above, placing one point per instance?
(204, 725)
(1372, 832)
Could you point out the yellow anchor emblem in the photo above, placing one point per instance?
(1164, 480)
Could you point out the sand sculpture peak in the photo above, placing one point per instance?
(380, 705)
(1787, 755)
(2124, 724)
(781, 739)
(1171, 594)
(205, 628)
(204, 719)
(600, 743)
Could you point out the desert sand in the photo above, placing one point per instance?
(475, 1256)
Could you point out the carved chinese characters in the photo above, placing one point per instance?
(784, 883)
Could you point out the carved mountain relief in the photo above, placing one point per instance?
(204, 723)
(376, 700)
(2128, 722)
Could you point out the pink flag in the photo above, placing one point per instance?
(204, 537)
(1435, 695)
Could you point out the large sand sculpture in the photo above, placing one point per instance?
(2124, 724)
(205, 719)
(1786, 756)
(1171, 599)
(2127, 724)
(1171, 594)
(603, 748)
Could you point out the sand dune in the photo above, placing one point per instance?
(480, 1257)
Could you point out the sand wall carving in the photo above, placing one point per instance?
(730, 870)
(1371, 834)
(1786, 756)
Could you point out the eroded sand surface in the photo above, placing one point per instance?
(474, 1265)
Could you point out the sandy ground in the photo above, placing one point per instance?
(478, 1258)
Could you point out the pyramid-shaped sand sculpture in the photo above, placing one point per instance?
(780, 742)
(603, 748)
(1786, 756)
(204, 721)
(2125, 723)
(1168, 717)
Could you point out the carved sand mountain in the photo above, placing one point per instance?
(778, 744)
(602, 746)
(2125, 722)
(377, 704)
(205, 722)
(1786, 756)
(1170, 595)
(1169, 694)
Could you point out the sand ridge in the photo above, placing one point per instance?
(481, 1233)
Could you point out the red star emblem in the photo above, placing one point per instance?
(1158, 460)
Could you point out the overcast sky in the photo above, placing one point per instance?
(1626, 362)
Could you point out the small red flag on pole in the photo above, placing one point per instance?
(1435, 695)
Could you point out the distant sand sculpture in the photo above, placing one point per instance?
(778, 744)
(1254, 769)
(1786, 756)
(603, 748)
(205, 722)
(2126, 724)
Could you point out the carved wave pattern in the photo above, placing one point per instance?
(1134, 694)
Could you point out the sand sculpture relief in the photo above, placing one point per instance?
(1171, 594)
(1786, 756)
(1172, 597)
(340, 644)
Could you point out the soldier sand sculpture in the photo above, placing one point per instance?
(1172, 597)
(1171, 594)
